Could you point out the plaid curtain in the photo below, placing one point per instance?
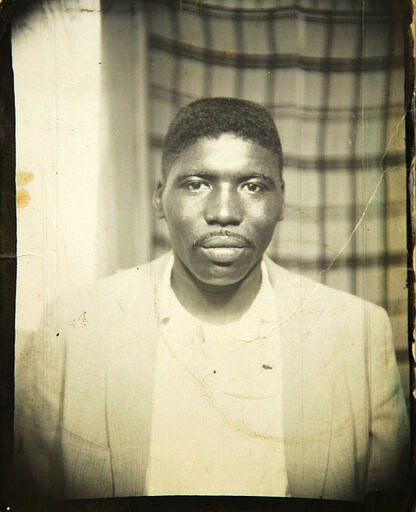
(331, 74)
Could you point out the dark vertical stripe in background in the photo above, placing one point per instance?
(239, 50)
(354, 124)
(383, 165)
(269, 92)
(207, 34)
(322, 142)
(175, 18)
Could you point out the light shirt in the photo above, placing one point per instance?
(217, 414)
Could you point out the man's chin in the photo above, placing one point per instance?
(223, 274)
(223, 256)
(224, 269)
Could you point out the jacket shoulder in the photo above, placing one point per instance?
(110, 296)
(319, 299)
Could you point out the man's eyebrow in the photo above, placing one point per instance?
(197, 173)
(261, 175)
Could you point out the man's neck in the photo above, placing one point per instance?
(214, 304)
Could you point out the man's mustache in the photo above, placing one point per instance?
(225, 233)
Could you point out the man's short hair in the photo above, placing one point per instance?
(211, 117)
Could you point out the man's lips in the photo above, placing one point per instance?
(223, 247)
(223, 239)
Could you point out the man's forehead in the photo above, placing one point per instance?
(232, 151)
(227, 151)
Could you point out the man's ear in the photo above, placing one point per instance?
(157, 200)
(282, 206)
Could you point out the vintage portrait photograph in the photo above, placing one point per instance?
(212, 284)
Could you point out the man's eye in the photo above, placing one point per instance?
(196, 186)
(254, 187)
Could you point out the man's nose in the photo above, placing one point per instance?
(223, 207)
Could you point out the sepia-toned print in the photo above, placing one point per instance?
(211, 291)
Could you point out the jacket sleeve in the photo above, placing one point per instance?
(388, 465)
(38, 413)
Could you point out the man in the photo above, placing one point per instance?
(212, 370)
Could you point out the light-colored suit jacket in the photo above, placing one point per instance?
(87, 407)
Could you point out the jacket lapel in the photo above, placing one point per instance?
(307, 375)
(130, 379)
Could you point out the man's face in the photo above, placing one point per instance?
(221, 200)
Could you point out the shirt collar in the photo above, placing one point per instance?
(263, 307)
